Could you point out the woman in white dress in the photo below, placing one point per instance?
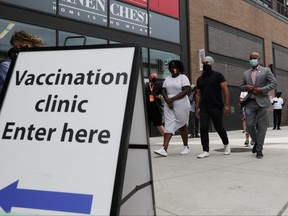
(176, 106)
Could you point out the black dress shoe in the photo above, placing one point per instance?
(191, 136)
(197, 136)
(254, 148)
(278, 128)
(259, 154)
(274, 128)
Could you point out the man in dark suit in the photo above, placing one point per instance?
(258, 81)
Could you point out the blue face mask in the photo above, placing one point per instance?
(253, 62)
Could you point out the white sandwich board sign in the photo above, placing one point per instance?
(73, 133)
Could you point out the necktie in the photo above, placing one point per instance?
(253, 76)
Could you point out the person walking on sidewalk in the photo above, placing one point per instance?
(277, 103)
(210, 86)
(193, 121)
(243, 119)
(154, 106)
(258, 81)
(176, 106)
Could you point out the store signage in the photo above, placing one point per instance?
(118, 15)
(65, 129)
(128, 18)
(167, 7)
(94, 11)
(140, 3)
(41, 5)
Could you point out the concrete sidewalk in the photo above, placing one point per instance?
(236, 184)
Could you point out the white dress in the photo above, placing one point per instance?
(178, 116)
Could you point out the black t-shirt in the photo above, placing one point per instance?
(153, 107)
(211, 92)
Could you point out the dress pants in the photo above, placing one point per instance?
(193, 124)
(256, 115)
(277, 115)
(216, 115)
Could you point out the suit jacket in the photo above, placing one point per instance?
(265, 80)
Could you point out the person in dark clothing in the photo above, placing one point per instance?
(193, 121)
(210, 106)
(154, 104)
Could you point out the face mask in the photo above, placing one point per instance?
(207, 67)
(153, 79)
(253, 62)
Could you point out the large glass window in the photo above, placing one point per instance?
(145, 61)
(8, 27)
(163, 27)
(159, 62)
(73, 39)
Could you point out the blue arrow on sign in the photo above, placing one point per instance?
(11, 196)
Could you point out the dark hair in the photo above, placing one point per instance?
(27, 37)
(176, 64)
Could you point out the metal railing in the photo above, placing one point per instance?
(279, 6)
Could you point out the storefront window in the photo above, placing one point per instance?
(160, 27)
(145, 62)
(8, 27)
(114, 42)
(159, 62)
(73, 39)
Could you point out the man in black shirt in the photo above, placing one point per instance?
(154, 102)
(210, 106)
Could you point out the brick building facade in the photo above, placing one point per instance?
(229, 31)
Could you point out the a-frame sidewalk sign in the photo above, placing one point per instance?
(73, 133)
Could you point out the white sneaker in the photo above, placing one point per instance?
(161, 152)
(185, 150)
(203, 155)
(227, 149)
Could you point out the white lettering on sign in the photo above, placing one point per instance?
(122, 16)
(91, 4)
(129, 13)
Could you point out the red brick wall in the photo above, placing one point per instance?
(238, 14)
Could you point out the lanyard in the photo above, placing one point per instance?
(151, 87)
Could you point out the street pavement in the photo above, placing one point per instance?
(235, 184)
